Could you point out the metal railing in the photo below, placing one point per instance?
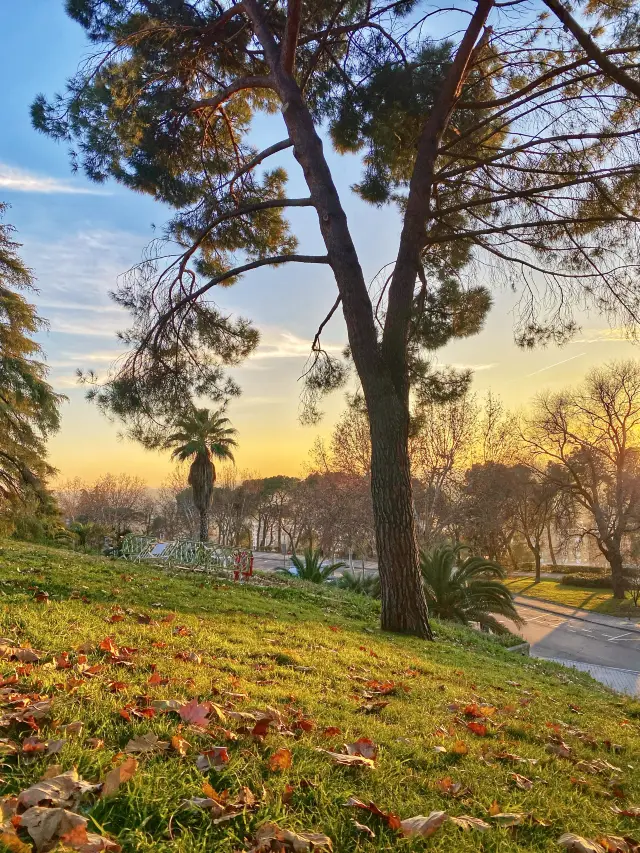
(186, 552)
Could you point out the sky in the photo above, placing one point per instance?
(80, 237)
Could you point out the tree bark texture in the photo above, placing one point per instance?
(617, 572)
(204, 525)
(404, 607)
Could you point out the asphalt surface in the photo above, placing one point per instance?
(556, 636)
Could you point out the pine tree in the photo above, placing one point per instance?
(28, 404)
(510, 147)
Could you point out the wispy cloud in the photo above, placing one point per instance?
(474, 367)
(596, 336)
(15, 179)
(556, 364)
(287, 345)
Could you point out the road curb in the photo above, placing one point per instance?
(631, 629)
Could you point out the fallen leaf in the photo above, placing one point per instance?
(460, 748)
(364, 829)
(628, 811)
(425, 826)
(107, 645)
(280, 760)
(194, 713)
(88, 842)
(521, 781)
(156, 679)
(180, 745)
(477, 728)
(146, 743)
(162, 706)
(63, 790)
(348, 760)
(616, 844)
(578, 844)
(287, 841)
(45, 825)
(466, 822)
(392, 820)
(508, 818)
(332, 731)
(118, 776)
(363, 747)
(216, 758)
(561, 749)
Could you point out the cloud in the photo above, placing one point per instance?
(19, 180)
(474, 367)
(287, 345)
(596, 336)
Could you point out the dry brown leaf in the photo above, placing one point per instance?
(46, 825)
(508, 818)
(270, 837)
(216, 758)
(88, 842)
(364, 747)
(616, 844)
(578, 844)
(467, 822)
(180, 745)
(118, 776)
(421, 825)
(60, 791)
(194, 713)
(146, 743)
(280, 760)
(521, 781)
(391, 819)
(628, 811)
(348, 760)
(363, 829)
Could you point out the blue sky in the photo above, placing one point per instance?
(78, 237)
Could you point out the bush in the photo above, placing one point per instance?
(562, 569)
(588, 581)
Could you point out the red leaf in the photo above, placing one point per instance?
(477, 728)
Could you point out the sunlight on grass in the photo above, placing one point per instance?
(601, 601)
(461, 709)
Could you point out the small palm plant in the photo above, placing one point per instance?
(311, 566)
(202, 435)
(362, 584)
(466, 590)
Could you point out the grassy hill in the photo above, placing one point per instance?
(279, 677)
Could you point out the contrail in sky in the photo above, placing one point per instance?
(557, 364)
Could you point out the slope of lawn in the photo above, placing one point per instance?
(277, 675)
(599, 600)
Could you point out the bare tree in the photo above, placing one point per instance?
(70, 495)
(116, 501)
(592, 434)
(534, 497)
(441, 445)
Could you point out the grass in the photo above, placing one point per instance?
(599, 600)
(307, 652)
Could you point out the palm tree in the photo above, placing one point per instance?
(311, 566)
(362, 584)
(466, 590)
(202, 435)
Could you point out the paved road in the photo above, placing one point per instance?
(557, 636)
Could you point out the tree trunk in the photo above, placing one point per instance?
(552, 553)
(536, 556)
(617, 573)
(204, 525)
(404, 607)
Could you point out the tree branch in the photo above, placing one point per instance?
(242, 83)
(255, 161)
(402, 284)
(291, 32)
(333, 310)
(591, 48)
